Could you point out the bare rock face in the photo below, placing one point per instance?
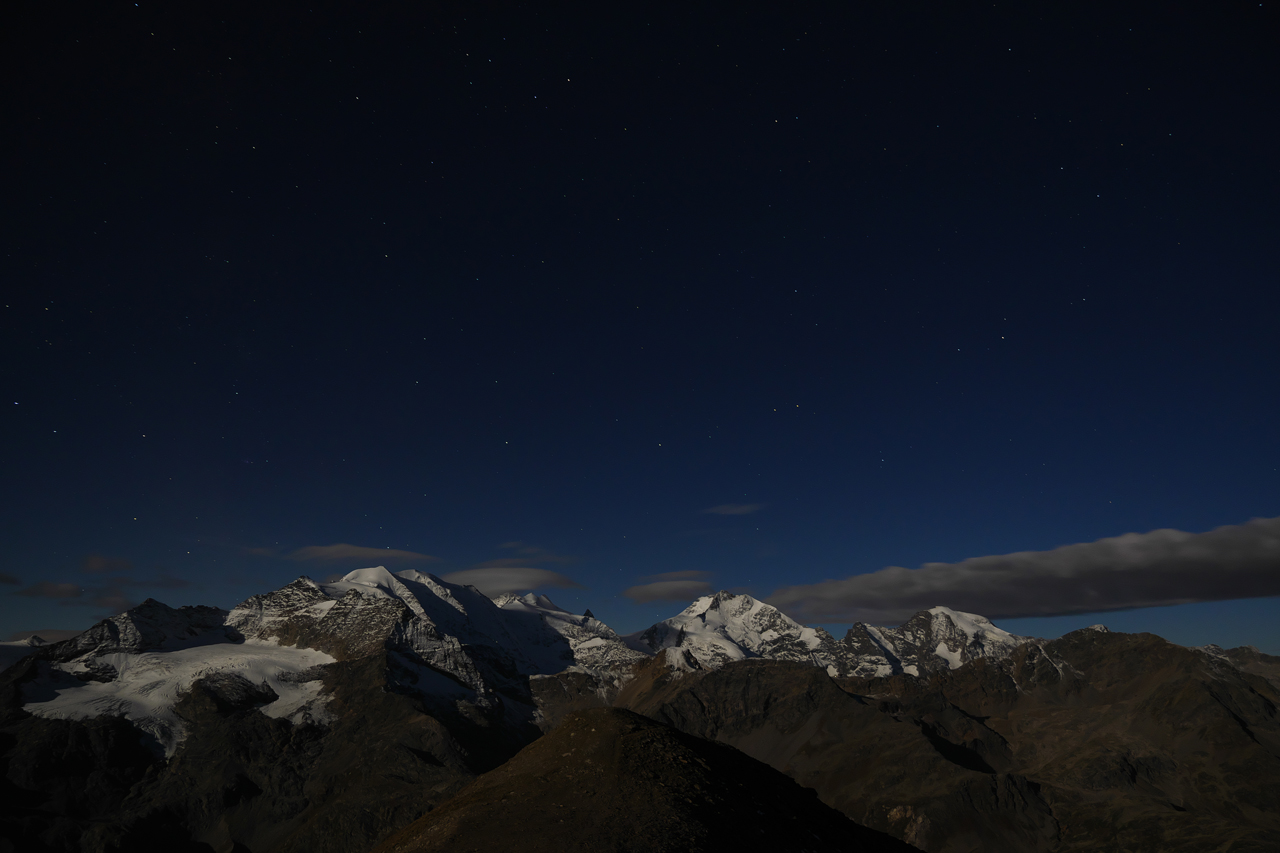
(1247, 659)
(151, 626)
(608, 779)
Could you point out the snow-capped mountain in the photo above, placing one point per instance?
(445, 641)
(938, 638)
(14, 651)
(137, 666)
(724, 627)
(594, 646)
(453, 628)
(442, 640)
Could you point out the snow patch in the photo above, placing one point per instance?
(952, 658)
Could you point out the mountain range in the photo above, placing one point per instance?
(398, 709)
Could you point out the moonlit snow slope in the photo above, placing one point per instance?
(717, 629)
(593, 645)
(148, 685)
(938, 638)
(442, 639)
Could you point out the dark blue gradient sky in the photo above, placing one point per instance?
(520, 288)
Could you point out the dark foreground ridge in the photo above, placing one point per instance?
(1096, 741)
(610, 779)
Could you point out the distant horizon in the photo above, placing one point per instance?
(1183, 623)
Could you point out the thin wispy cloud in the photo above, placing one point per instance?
(1163, 567)
(734, 509)
(497, 580)
(504, 563)
(49, 589)
(7, 578)
(535, 553)
(107, 594)
(111, 599)
(670, 586)
(692, 574)
(345, 551)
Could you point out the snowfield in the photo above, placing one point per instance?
(148, 685)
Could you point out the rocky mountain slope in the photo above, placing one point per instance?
(324, 716)
(608, 779)
(1094, 741)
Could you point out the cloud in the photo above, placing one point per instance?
(343, 551)
(734, 509)
(497, 580)
(5, 577)
(48, 589)
(504, 563)
(678, 576)
(98, 563)
(671, 586)
(1155, 569)
(107, 594)
(112, 599)
(535, 553)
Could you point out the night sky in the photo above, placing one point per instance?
(624, 304)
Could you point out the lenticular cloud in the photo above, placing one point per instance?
(1153, 569)
(495, 581)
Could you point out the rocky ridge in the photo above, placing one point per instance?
(609, 779)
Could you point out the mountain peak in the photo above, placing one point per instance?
(716, 629)
(933, 639)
